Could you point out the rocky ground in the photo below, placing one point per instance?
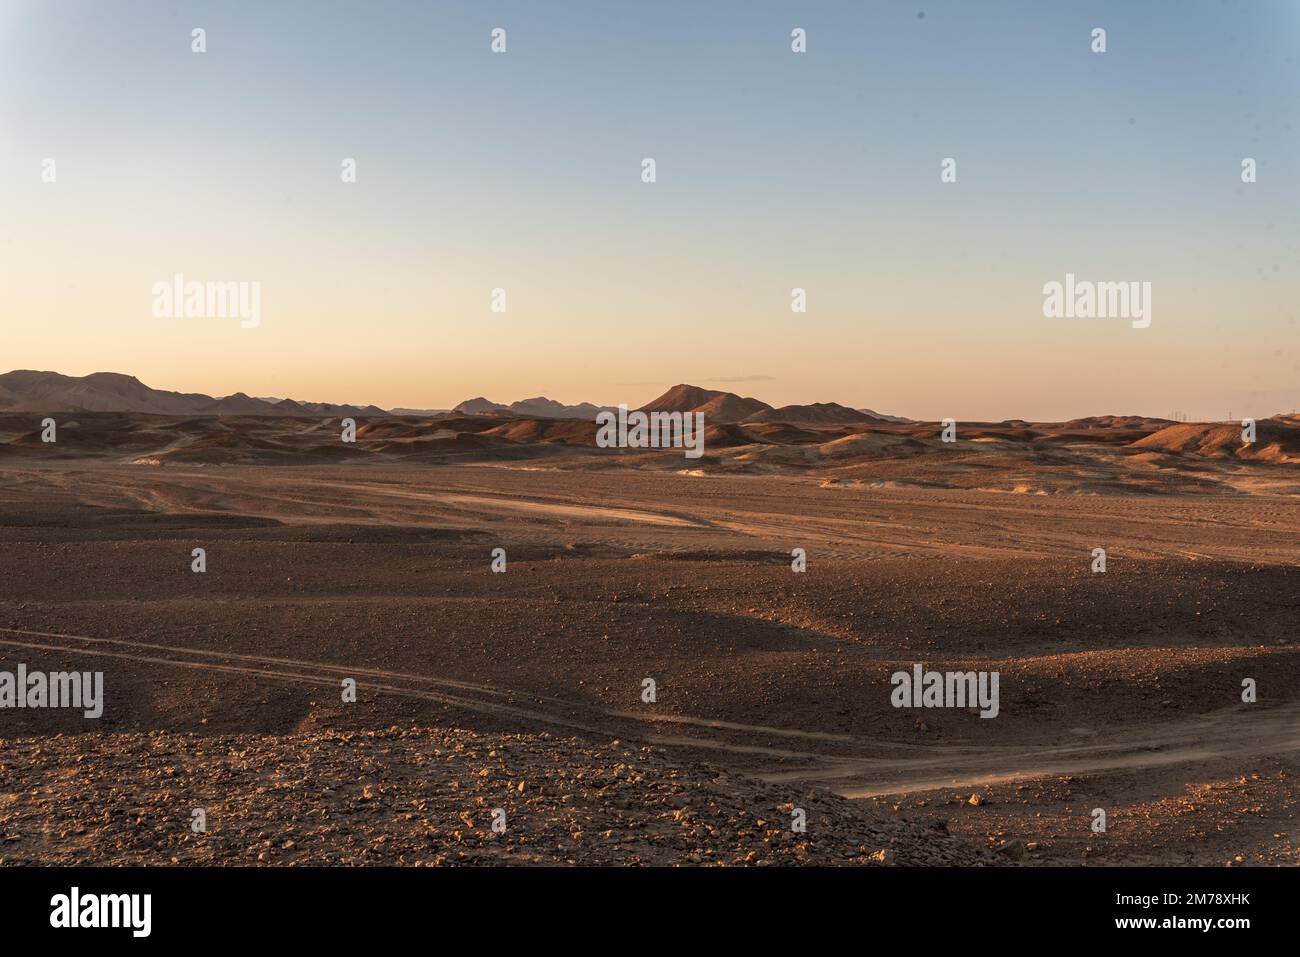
(416, 796)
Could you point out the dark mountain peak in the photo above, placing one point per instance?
(682, 398)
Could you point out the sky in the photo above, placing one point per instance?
(775, 170)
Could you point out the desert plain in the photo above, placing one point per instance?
(523, 690)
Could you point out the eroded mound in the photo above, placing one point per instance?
(1277, 440)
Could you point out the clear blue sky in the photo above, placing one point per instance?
(775, 170)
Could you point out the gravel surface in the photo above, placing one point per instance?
(418, 796)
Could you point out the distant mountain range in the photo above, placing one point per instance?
(28, 391)
(716, 406)
(726, 407)
(540, 407)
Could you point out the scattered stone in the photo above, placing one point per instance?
(422, 796)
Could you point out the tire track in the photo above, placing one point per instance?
(1223, 734)
(322, 675)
